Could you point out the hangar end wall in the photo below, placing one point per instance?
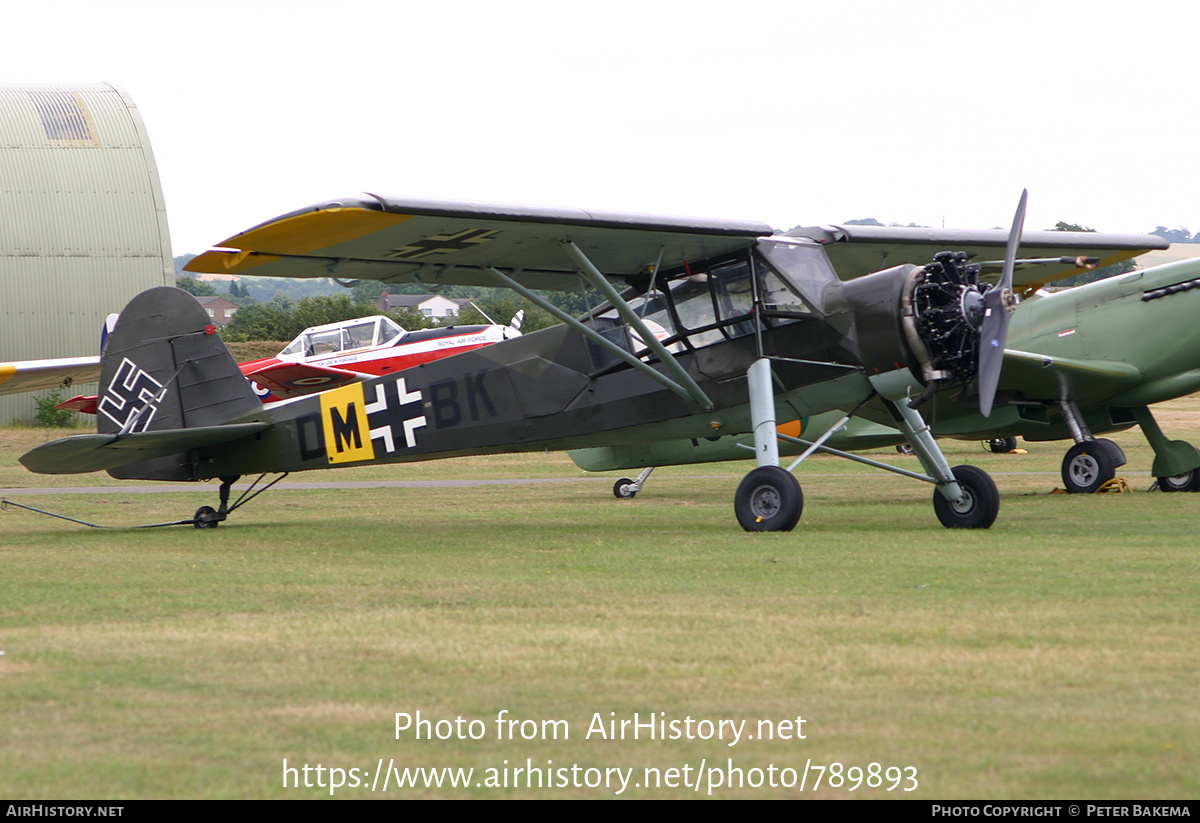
(83, 224)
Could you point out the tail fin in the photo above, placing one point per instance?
(164, 367)
(168, 386)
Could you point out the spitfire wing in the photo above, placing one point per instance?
(858, 250)
(33, 375)
(1046, 377)
(440, 242)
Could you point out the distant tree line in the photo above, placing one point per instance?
(281, 316)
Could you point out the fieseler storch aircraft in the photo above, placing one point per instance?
(1077, 363)
(708, 327)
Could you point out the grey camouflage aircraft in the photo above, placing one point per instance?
(708, 327)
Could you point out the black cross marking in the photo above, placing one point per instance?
(443, 243)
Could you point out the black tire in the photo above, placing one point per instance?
(980, 503)
(768, 500)
(202, 518)
(905, 449)
(623, 489)
(1186, 482)
(1088, 466)
(1001, 445)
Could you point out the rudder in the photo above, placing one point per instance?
(164, 367)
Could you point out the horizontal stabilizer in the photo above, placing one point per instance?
(97, 452)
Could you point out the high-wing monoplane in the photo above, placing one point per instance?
(707, 327)
(1080, 362)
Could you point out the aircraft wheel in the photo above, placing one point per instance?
(1186, 482)
(623, 489)
(905, 449)
(980, 503)
(1088, 466)
(1001, 445)
(768, 500)
(204, 518)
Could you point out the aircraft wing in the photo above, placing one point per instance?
(858, 250)
(1046, 377)
(294, 379)
(436, 242)
(32, 375)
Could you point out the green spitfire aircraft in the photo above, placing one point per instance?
(1080, 362)
(707, 327)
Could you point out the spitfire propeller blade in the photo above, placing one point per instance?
(998, 306)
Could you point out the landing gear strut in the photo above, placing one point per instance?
(208, 518)
(1091, 464)
(978, 506)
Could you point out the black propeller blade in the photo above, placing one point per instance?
(998, 305)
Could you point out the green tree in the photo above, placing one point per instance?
(410, 319)
(318, 311)
(502, 308)
(262, 321)
(1179, 235)
(196, 287)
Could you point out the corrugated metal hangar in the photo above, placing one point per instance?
(83, 224)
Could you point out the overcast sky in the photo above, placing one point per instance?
(794, 113)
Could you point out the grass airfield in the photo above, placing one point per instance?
(1053, 656)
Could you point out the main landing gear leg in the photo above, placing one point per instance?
(965, 497)
(1091, 462)
(769, 498)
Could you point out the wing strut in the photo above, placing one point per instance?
(601, 340)
(630, 316)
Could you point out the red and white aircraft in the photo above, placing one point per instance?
(321, 358)
(325, 357)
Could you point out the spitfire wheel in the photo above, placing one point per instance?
(1088, 466)
(205, 518)
(768, 500)
(979, 505)
(1186, 482)
(1001, 445)
(624, 489)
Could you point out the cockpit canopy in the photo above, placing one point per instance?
(712, 301)
(348, 335)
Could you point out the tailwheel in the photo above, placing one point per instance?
(1088, 466)
(624, 489)
(206, 517)
(1186, 482)
(979, 505)
(768, 500)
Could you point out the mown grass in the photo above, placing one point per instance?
(1051, 656)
